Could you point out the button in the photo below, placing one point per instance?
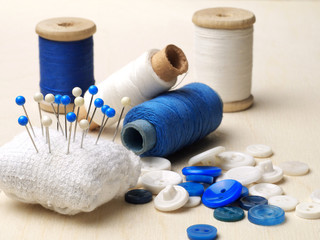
(265, 190)
(201, 232)
(294, 168)
(228, 214)
(200, 178)
(138, 196)
(287, 203)
(308, 210)
(259, 150)
(193, 202)
(222, 193)
(244, 192)
(250, 201)
(154, 163)
(202, 170)
(266, 215)
(194, 189)
(228, 160)
(245, 175)
(207, 158)
(171, 198)
(315, 196)
(155, 181)
(270, 173)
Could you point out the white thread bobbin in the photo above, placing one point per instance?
(223, 54)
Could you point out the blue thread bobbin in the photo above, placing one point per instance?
(66, 56)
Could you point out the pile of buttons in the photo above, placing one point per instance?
(228, 181)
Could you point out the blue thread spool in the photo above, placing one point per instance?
(172, 120)
(66, 56)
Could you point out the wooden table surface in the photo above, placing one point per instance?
(285, 115)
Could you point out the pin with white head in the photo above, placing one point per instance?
(46, 121)
(84, 125)
(125, 101)
(93, 90)
(78, 101)
(57, 100)
(110, 112)
(49, 98)
(23, 121)
(20, 100)
(71, 117)
(38, 97)
(65, 100)
(76, 92)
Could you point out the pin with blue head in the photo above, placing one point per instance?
(84, 125)
(98, 103)
(110, 112)
(125, 101)
(93, 90)
(78, 101)
(76, 92)
(49, 98)
(23, 121)
(20, 100)
(71, 117)
(38, 97)
(65, 100)
(57, 100)
(46, 121)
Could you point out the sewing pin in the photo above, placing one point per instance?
(84, 125)
(125, 101)
(98, 103)
(71, 117)
(23, 121)
(76, 92)
(110, 112)
(46, 121)
(57, 100)
(78, 101)
(65, 100)
(49, 98)
(38, 97)
(93, 90)
(20, 100)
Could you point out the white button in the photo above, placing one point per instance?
(155, 181)
(287, 203)
(315, 196)
(193, 202)
(266, 190)
(308, 210)
(221, 177)
(245, 175)
(259, 150)
(207, 158)
(270, 173)
(228, 160)
(294, 168)
(139, 183)
(154, 163)
(171, 198)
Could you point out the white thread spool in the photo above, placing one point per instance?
(223, 54)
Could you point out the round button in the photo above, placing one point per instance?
(222, 193)
(194, 189)
(294, 168)
(154, 163)
(265, 190)
(200, 178)
(228, 214)
(259, 150)
(250, 201)
(201, 232)
(193, 202)
(244, 192)
(202, 170)
(245, 175)
(230, 159)
(315, 196)
(287, 203)
(270, 173)
(138, 196)
(206, 158)
(266, 215)
(308, 210)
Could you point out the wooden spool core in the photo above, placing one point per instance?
(229, 19)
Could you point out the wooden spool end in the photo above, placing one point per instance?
(238, 106)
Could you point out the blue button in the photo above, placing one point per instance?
(266, 215)
(222, 193)
(244, 192)
(138, 196)
(201, 232)
(250, 201)
(194, 189)
(228, 214)
(202, 170)
(200, 178)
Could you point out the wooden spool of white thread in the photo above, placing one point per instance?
(222, 21)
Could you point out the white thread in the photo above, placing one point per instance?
(136, 80)
(224, 58)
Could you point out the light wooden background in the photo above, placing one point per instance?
(285, 115)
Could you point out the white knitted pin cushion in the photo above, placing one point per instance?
(68, 184)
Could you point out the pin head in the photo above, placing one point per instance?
(20, 100)
(38, 97)
(104, 108)
(84, 124)
(46, 121)
(98, 103)
(49, 98)
(57, 99)
(65, 100)
(23, 120)
(110, 112)
(125, 101)
(71, 117)
(93, 90)
(79, 101)
(76, 92)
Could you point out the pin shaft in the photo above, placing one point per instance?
(69, 137)
(32, 139)
(101, 130)
(24, 109)
(89, 107)
(48, 139)
(58, 110)
(117, 128)
(65, 120)
(75, 126)
(82, 138)
(54, 111)
(40, 118)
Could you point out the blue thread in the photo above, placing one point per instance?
(64, 65)
(180, 117)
